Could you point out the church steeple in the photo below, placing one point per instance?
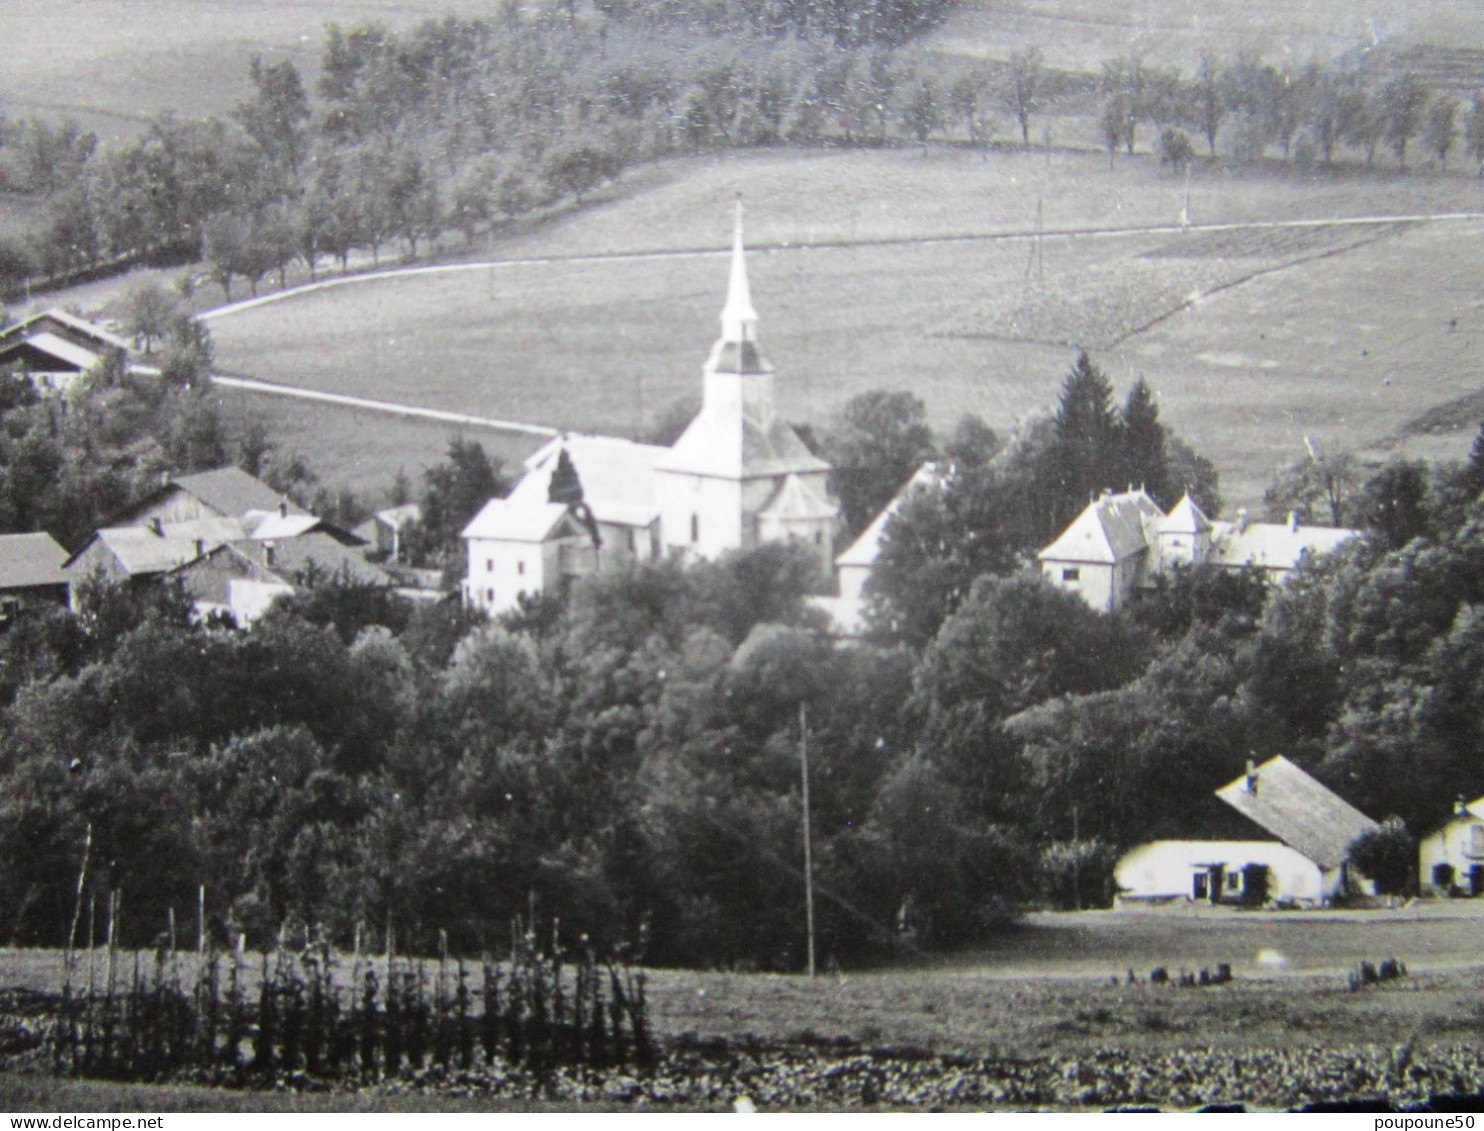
(738, 317)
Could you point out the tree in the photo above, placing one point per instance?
(580, 168)
(1388, 856)
(276, 114)
(1114, 123)
(1143, 441)
(923, 112)
(1403, 105)
(1473, 136)
(1027, 76)
(1318, 489)
(1175, 149)
(454, 491)
(149, 311)
(1441, 128)
(1394, 503)
(1083, 458)
(189, 354)
(1209, 108)
(882, 438)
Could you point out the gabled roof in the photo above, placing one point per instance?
(142, 550)
(230, 490)
(1186, 518)
(507, 520)
(30, 560)
(1470, 811)
(60, 323)
(1110, 530)
(867, 548)
(797, 499)
(68, 353)
(1273, 545)
(267, 526)
(1288, 803)
(617, 477)
(319, 550)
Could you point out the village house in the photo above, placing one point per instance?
(1450, 859)
(1122, 543)
(1307, 862)
(738, 477)
(54, 348)
(232, 554)
(30, 573)
(383, 530)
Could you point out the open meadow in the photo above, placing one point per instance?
(1045, 1014)
(918, 270)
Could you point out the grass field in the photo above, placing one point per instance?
(1340, 334)
(1081, 34)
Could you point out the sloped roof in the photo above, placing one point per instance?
(796, 498)
(69, 353)
(63, 324)
(732, 445)
(29, 560)
(1286, 802)
(867, 548)
(320, 550)
(1185, 518)
(142, 550)
(232, 491)
(617, 477)
(1273, 545)
(1110, 530)
(510, 520)
(264, 526)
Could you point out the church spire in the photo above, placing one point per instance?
(738, 318)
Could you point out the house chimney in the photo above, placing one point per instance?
(157, 526)
(268, 549)
(200, 547)
(283, 507)
(1250, 785)
(1459, 808)
(1292, 521)
(1241, 520)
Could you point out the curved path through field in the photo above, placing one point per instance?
(252, 385)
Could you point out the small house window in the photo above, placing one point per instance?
(491, 594)
(695, 528)
(489, 565)
(1234, 882)
(633, 540)
(520, 568)
(819, 537)
(1071, 574)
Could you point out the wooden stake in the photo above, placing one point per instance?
(808, 840)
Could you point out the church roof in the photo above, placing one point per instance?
(617, 477)
(1185, 518)
(797, 498)
(1110, 530)
(732, 445)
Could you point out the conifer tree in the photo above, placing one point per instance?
(565, 487)
(1144, 457)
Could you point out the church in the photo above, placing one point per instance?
(738, 477)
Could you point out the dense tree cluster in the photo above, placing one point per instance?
(1309, 111)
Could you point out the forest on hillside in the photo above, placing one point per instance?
(625, 757)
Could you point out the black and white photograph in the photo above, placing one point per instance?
(741, 556)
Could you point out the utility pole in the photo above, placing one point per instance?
(808, 846)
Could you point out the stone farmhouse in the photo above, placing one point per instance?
(1122, 543)
(738, 477)
(1307, 862)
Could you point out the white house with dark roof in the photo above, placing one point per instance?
(1451, 857)
(1121, 543)
(1108, 551)
(738, 477)
(1307, 862)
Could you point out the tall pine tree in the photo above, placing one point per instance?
(1084, 455)
(1144, 459)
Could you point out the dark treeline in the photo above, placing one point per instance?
(626, 757)
(459, 125)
